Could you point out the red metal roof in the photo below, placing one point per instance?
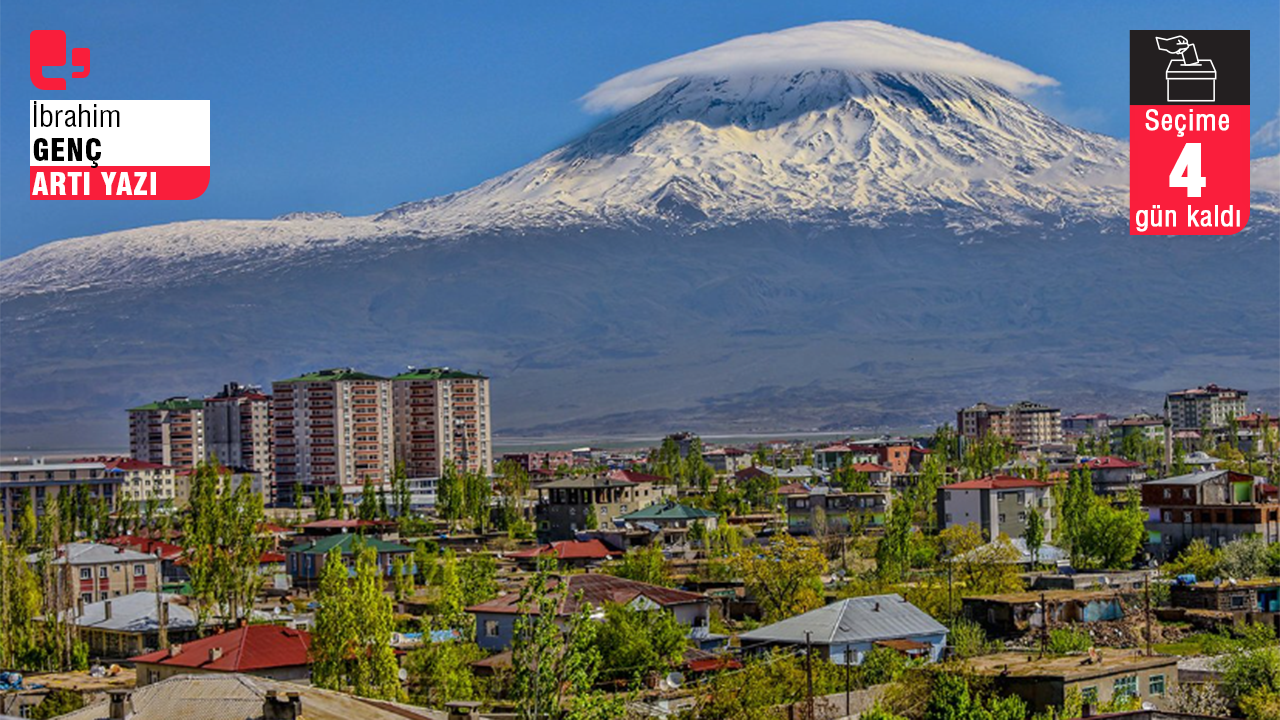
(636, 477)
(1111, 462)
(253, 647)
(869, 467)
(592, 549)
(121, 463)
(150, 546)
(996, 482)
(595, 589)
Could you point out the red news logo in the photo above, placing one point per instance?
(49, 49)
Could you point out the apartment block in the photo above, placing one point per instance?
(1216, 506)
(140, 480)
(1208, 406)
(998, 505)
(441, 415)
(45, 481)
(1026, 423)
(237, 427)
(168, 432)
(331, 427)
(101, 572)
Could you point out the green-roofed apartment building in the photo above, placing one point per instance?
(168, 432)
(441, 414)
(331, 428)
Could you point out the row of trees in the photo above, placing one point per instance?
(351, 644)
(223, 539)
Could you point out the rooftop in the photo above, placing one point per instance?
(173, 403)
(860, 619)
(237, 697)
(437, 373)
(1069, 667)
(595, 589)
(332, 375)
(136, 613)
(321, 546)
(252, 647)
(569, 550)
(93, 553)
(670, 511)
(996, 482)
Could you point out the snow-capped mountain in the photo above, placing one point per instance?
(845, 201)
(842, 145)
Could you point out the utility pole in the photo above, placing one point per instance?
(1044, 625)
(1146, 587)
(808, 669)
(848, 682)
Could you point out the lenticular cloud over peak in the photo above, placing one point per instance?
(853, 46)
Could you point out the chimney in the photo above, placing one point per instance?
(106, 610)
(175, 650)
(281, 706)
(121, 707)
(215, 654)
(877, 607)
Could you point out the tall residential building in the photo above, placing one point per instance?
(1026, 423)
(331, 427)
(168, 432)
(1209, 406)
(441, 414)
(237, 429)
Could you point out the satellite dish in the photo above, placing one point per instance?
(403, 674)
(396, 638)
(675, 680)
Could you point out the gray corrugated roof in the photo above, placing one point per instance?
(1194, 478)
(95, 554)
(860, 619)
(226, 696)
(135, 613)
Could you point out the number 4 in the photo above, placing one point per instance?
(1186, 172)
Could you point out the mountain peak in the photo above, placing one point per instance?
(855, 46)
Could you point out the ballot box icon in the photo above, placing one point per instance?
(1187, 83)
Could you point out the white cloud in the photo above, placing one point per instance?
(854, 45)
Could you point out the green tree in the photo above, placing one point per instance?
(1034, 534)
(1109, 536)
(368, 502)
(451, 495)
(334, 638)
(1245, 558)
(639, 642)
(981, 567)
(893, 553)
(478, 575)
(645, 564)
(59, 701)
(377, 672)
(27, 528)
(451, 598)
(321, 502)
(441, 672)
(784, 577)
(223, 546)
(1197, 558)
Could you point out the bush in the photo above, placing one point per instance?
(967, 639)
(1065, 640)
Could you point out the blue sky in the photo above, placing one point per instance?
(358, 106)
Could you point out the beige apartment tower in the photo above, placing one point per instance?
(441, 414)
(168, 432)
(237, 429)
(331, 427)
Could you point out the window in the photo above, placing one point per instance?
(1002, 517)
(1089, 694)
(1155, 685)
(1125, 687)
(1186, 493)
(86, 573)
(1186, 516)
(139, 570)
(1168, 493)
(86, 597)
(102, 571)
(1237, 601)
(491, 628)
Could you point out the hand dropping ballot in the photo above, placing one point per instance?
(1189, 132)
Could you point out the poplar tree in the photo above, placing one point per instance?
(334, 638)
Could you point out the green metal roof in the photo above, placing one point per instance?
(437, 373)
(669, 511)
(321, 546)
(174, 403)
(333, 374)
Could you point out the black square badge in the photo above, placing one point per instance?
(1182, 67)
